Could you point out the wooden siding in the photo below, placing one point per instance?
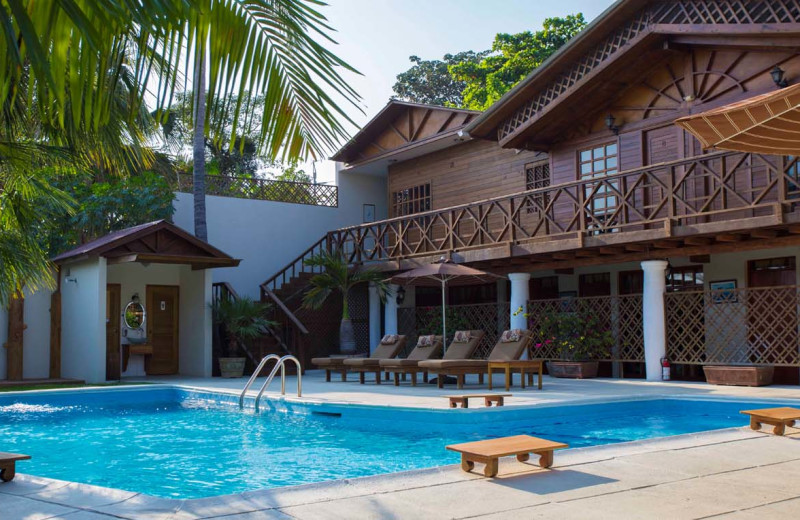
(465, 173)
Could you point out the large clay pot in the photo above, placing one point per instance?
(573, 369)
(231, 366)
(347, 338)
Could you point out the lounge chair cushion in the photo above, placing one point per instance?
(454, 363)
(465, 350)
(511, 336)
(399, 363)
(362, 362)
(510, 350)
(389, 350)
(425, 341)
(389, 339)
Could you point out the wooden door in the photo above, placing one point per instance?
(113, 318)
(772, 316)
(162, 329)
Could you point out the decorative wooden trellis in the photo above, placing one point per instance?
(681, 12)
(748, 326)
(492, 318)
(621, 315)
(265, 189)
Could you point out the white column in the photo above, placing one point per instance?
(519, 298)
(653, 317)
(390, 311)
(374, 318)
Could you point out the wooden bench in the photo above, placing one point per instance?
(488, 399)
(780, 418)
(525, 366)
(489, 451)
(7, 465)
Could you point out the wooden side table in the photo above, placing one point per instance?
(525, 366)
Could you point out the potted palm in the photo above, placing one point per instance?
(581, 339)
(244, 319)
(338, 276)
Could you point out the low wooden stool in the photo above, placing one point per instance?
(488, 399)
(489, 451)
(780, 418)
(7, 465)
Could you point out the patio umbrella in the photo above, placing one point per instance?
(442, 273)
(769, 123)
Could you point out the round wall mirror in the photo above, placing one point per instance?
(134, 315)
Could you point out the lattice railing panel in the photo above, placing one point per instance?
(492, 318)
(708, 188)
(265, 189)
(684, 12)
(621, 315)
(734, 327)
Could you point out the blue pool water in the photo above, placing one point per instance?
(175, 443)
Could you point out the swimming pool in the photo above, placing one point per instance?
(178, 443)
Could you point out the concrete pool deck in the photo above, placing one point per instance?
(732, 473)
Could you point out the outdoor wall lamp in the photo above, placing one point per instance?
(610, 119)
(777, 77)
(401, 295)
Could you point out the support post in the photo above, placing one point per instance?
(374, 317)
(654, 317)
(520, 294)
(16, 331)
(390, 311)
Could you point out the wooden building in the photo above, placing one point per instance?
(579, 186)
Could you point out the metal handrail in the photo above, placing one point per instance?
(255, 375)
(282, 365)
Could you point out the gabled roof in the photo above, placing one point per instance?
(157, 242)
(399, 126)
(615, 51)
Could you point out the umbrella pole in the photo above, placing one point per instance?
(444, 320)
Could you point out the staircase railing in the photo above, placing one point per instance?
(297, 266)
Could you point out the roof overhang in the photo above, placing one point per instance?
(158, 242)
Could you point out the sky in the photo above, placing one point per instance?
(376, 37)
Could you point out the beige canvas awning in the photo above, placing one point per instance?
(769, 123)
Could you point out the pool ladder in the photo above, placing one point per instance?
(280, 364)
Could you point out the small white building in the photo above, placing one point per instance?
(136, 302)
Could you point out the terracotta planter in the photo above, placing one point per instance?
(573, 369)
(231, 366)
(739, 375)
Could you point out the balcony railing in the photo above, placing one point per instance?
(702, 194)
(265, 189)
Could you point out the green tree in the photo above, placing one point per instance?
(512, 58)
(430, 82)
(338, 276)
(78, 66)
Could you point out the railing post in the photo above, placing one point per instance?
(581, 210)
(782, 198)
(451, 232)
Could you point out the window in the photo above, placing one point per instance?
(595, 163)
(537, 175)
(687, 278)
(411, 200)
(544, 288)
(594, 284)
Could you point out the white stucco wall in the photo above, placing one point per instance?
(195, 325)
(83, 320)
(268, 235)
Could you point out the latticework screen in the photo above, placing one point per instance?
(265, 189)
(621, 315)
(748, 326)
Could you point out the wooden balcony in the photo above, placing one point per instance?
(681, 207)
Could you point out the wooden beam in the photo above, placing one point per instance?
(612, 250)
(728, 237)
(666, 244)
(564, 256)
(585, 253)
(636, 248)
(763, 233)
(700, 259)
(698, 241)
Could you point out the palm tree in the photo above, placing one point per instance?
(70, 59)
(339, 277)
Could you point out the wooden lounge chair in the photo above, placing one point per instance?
(503, 351)
(457, 350)
(384, 350)
(8, 463)
(410, 365)
(489, 451)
